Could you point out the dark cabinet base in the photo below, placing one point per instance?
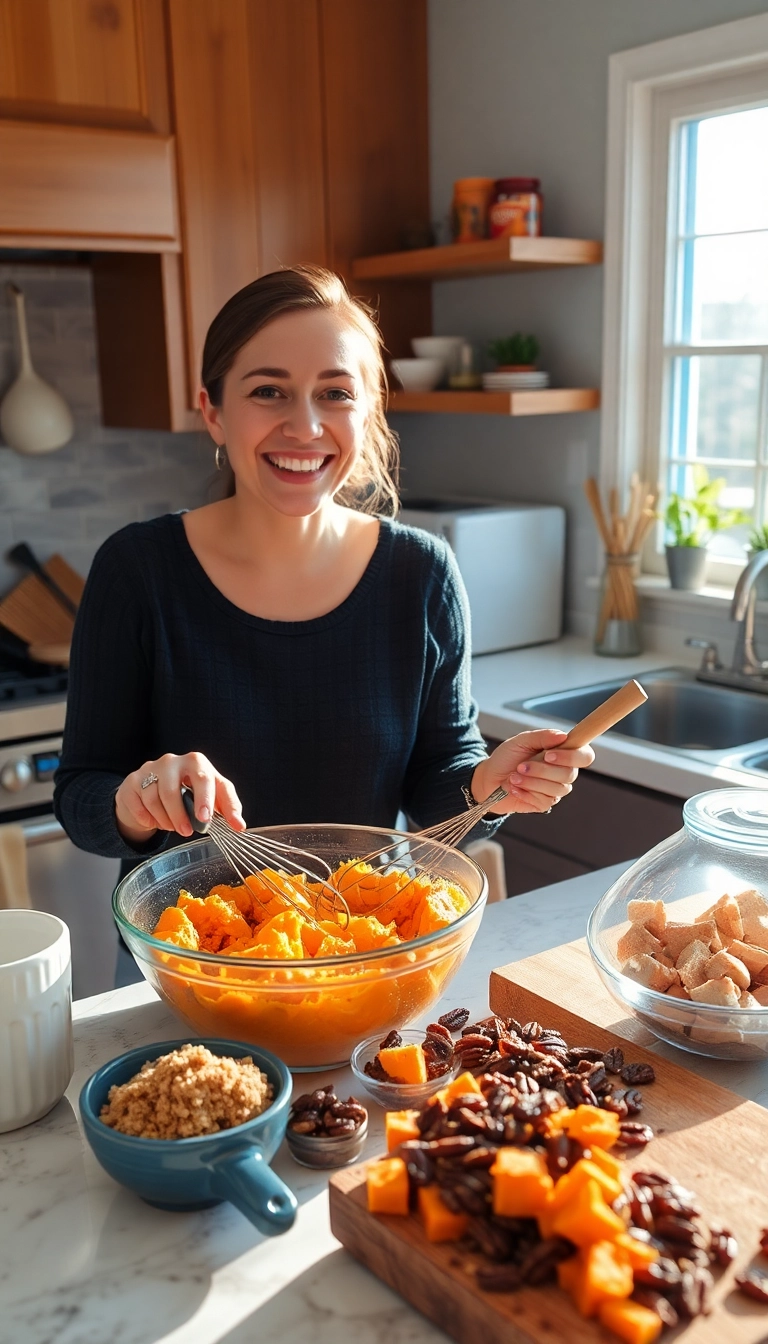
(603, 821)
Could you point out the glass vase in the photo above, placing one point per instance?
(618, 633)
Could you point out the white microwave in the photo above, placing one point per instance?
(510, 557)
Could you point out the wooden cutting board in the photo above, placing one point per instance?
(708, 1138)
(35, 614)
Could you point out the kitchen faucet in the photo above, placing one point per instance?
(747, 670)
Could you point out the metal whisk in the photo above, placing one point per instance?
(430, 843)
(248, 854)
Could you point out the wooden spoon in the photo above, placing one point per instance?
(605, 716)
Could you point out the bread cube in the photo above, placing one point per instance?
(651, 914)
(678, 936)
(649, 972)
(723, 964)
(761, 995)
(727, 917)
(754, 917)
(754, 958)
(691, 963)
(722, 992)
(747, 1000)
(677, 991)
(756, 930)
(751, 902)
(635, 942)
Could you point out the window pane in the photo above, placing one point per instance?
(714, 406)
(738, 493)
(732, 172)
(724, 294)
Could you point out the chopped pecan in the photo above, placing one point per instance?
(638, 1073)
(755, 1284)
(613, 1059)
(634, 1135)
(455, 1019)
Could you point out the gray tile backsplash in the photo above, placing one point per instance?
(71, 500)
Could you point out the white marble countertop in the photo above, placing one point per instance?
(86, 1262)
(569, 663)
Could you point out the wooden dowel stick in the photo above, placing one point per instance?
(593, 495)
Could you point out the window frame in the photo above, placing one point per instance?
(649, 88)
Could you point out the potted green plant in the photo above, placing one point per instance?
(692, 521)
(515, 354)
(758, 541)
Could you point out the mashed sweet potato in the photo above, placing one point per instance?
(252, 920)
(287, 980)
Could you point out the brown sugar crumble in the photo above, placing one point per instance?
(187, 1093)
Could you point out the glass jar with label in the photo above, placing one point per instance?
(516, 208)
(469, 212)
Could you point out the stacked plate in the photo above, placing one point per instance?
(515, 382)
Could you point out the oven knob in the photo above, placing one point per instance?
(16, 775)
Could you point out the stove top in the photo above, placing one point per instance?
(17, 687)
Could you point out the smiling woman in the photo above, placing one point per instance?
(289, 652)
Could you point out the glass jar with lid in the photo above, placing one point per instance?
(516, 208)
(681, 939)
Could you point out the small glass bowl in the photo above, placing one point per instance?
(396, 1096)
(326, 1150)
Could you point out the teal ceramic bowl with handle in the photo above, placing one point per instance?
(186, 1174)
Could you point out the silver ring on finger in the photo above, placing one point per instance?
(151, 778)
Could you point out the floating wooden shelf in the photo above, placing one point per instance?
(491, 256)
(549, 401)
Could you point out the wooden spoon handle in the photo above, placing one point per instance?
(612, 710)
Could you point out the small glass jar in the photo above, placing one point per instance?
(712, 875)
(619, 634)
(516, 208)
(471, 199)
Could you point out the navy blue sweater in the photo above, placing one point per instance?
(349, 717)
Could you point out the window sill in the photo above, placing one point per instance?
(717, 597)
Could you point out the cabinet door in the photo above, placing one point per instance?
(213, 117)
(286, 93)
(375, 88)
(96, 62)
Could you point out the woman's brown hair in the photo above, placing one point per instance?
(372, 487)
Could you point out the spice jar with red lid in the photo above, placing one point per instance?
(516, 208)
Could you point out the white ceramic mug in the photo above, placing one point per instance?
(36, 1052)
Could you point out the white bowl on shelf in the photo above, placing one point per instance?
(446, 348)
(418, 375)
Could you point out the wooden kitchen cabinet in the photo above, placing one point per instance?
(92, 62)
(291, 132)
(603, 821)
(301, 138)
(374, 59)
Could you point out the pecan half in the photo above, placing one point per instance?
(755, 1284)
(638, 1073)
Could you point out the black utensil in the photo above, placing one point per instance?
(24, 556)
(188, 799)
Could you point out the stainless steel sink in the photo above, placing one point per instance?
(681, 713)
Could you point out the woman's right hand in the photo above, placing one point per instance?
(142, 811)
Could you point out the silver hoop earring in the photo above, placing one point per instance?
(220, 457)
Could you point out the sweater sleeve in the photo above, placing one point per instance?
(449, 744)
(108, 724)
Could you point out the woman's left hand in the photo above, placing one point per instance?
(532, 786)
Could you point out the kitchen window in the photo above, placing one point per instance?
(686, 311)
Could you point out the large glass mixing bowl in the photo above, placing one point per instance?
(310, 1013)
(723, 847)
